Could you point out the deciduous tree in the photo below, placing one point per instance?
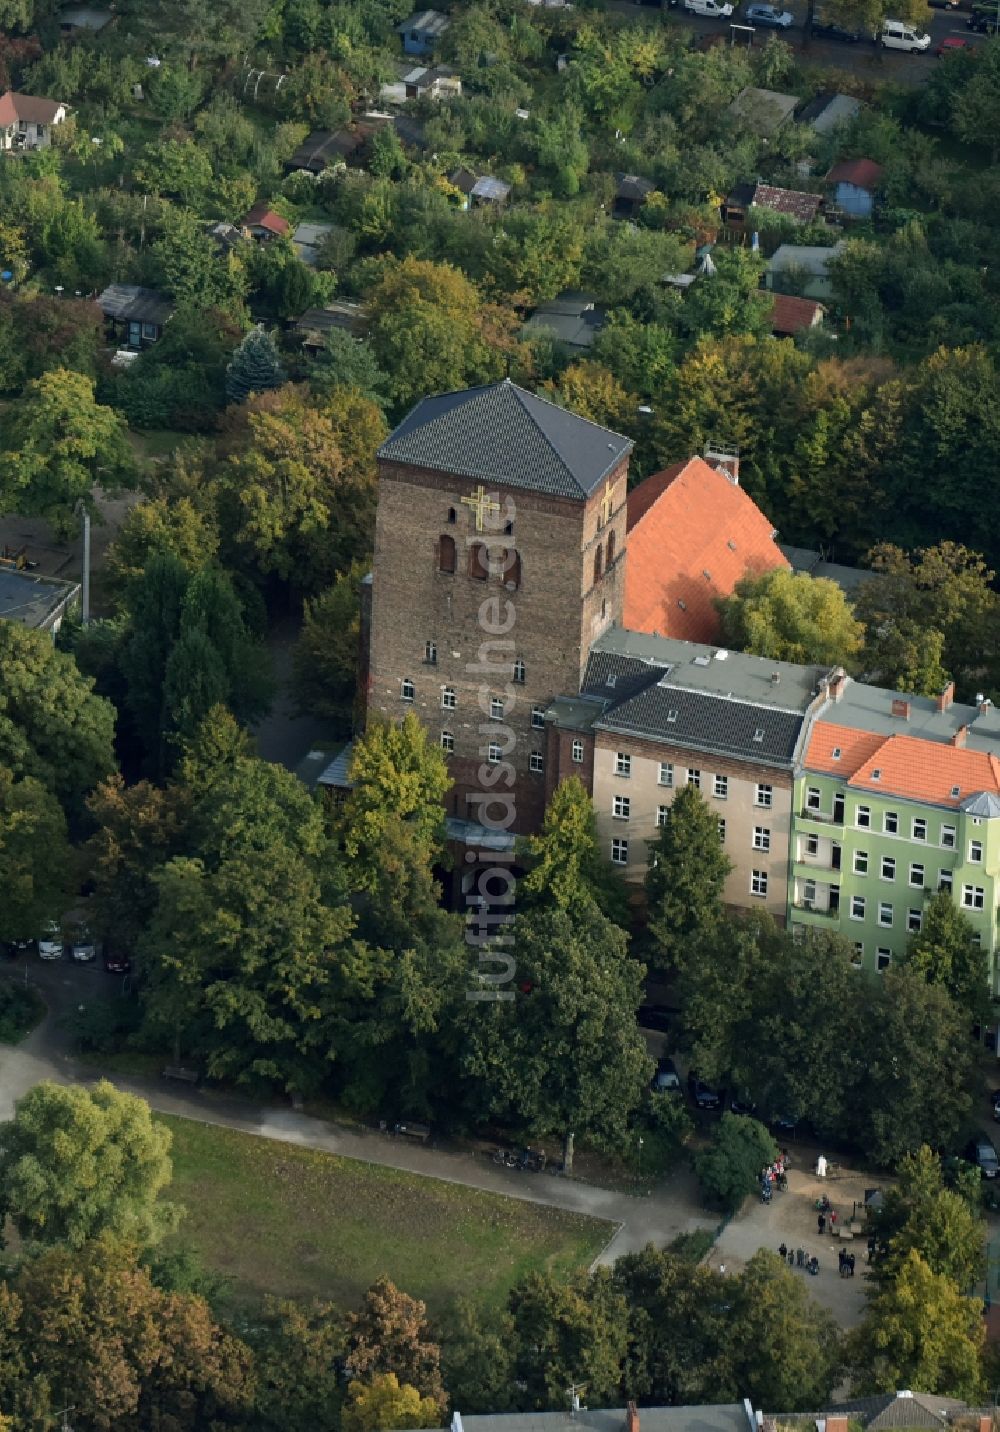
(75, 1163)
(946, 952)
(730, 1168)
(566, 1333)
(566, 867)
(684, 881)
(35, 857)
(790, 616)
(382, 1404)
(390, 1332)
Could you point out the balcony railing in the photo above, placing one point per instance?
(823, 816)
(807, 907)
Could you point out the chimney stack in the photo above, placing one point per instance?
(836, 1424)
(901, 707)
(838, 680)
(725, 460)
(985, 706)
(986, 1424)
(946, 696)
(960, 737)
(632, 1418)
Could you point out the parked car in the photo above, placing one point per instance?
(831, 30)
(50, 943)
(666, 1080)
(943, 4)
(703, 1095)
(769, 15)
(116, 963)
(952, 44)
(983, 23)
(982, 1153)
(83, 947)
(711, 8)
(740, 1103)
(13, 949)
(897, 35)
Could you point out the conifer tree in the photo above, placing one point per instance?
(255, 367)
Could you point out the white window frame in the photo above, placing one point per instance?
(946, 880)
(449, 701)
(890, 861)
(975, 852)
(886, 914)
(860, 863)
(722, 830)
(576, 752)
(407, 690)
(694, 777)
(762, 838)
(661, 816)
(498, 708)
(623, 763)
(430, 653)
(914, 921)
(621, 808)
(619, 851)
(863, 817)
(720, 788)
(763, 796)
(536, 763)
(949, 836)
(447, 741)
(758, 884)
(666, 774)
(494, 755)
(883, 959)
(859, 906)
(814, 799)
(893, 828)
(916, 882)
(919, 821)
(520, 672)
(973, 897)
(538, 718)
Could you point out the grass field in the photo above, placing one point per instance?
(274, 1218)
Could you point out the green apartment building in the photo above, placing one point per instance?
(896, 798)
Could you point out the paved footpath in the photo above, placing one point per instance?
(636, 1220)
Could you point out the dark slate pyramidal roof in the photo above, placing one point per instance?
(502, 435)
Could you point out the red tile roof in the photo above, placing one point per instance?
(862, 173)
(14, 107)
(262, 216)
(908, 766)
(796, 202)
(791, 314)
(692, 534)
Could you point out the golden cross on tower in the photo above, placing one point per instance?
(481, 504)
(607, 502)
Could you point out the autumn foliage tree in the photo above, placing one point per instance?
(390, 1333)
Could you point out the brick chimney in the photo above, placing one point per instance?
(838, 680)
(986, 1424)
(725, 460)
(985, 706)
(901, 707)
(632, 1418)
(946, 696)
(960, 737)
(836, 1424)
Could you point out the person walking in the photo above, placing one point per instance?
(782, 1252)
(821, 1224)
(850, 1260)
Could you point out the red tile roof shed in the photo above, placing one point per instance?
(692, 535)
(791, 314)
(862, 173)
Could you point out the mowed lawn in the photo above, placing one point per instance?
(275, 1218)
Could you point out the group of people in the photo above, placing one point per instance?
(798, 1258)
(846, 1261)
(774, 1176)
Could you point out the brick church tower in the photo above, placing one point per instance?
(499, 559)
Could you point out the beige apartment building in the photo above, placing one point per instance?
(656, 714)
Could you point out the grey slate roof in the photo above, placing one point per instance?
(901, 1409)
(985, 804)
(130, 301)
(336, 773)
(864, 707)
(708, 722)
(727, 1417)
(34, 600)
(503, 435)
(574, 318)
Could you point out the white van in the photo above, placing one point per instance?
(899, 36)
(711, 8)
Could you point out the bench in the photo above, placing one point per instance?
(420, 1132)
(181, 1073)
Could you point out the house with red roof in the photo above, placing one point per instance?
(791, 314)
(264, 223)
(693, 533)
(854, 183)
(897, 799)
(27, 122)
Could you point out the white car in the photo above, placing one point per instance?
(899, 36)
(710, 8)
(84, 950)
(50, 944)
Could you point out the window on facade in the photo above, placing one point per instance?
(149, 330)
(508, 529)
(510, 569)
(813, 798)
(520, 672)
(496, 708)
(975, 852)
(666, 774)
(812, 844)
(914, 919)
(619, 852)
(406, 689)
(890, 822)
(479, 566)
(859, 954)
(452, 515)
(722, 831)
(885, 914)
(621, 807)
(763, 795)
(493, 753)
(919, 828)
(946, 880)
(809, 892)
(538, 717)
(611, 550)
(883, 958)
(577, 751)
(863, 817)
(448, 698)
(536, 762)
(430, 653)
(623, 764)
(761, 838)
(857, 907)
(721, 788)
(861, 862)
(948, 837)
(661, 815)
(758, 882)
(973, 897)
(446, 553)
(598, 560)
(694, 778)
(887, 869)
(917, 876)
(447, 741)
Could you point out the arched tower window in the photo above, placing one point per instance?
(446, 553)
(597, 564)
(611, 551)
(478, 564)
(512, 569)
(452, 515)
